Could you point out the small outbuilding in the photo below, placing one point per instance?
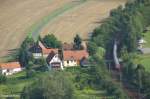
(10, 68)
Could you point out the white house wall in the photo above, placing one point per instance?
(70, 63)
(56, 59)
(11, 71)
(37, 55)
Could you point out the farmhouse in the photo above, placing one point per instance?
(73, 57)
(69, 57)
(39, 50)
(10, 68)
(55, 61)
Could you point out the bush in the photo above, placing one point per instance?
(51, 41)
(52, 86)
(30, 73)
(3, 78)
(92, 48)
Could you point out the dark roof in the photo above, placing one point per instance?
(40, 48)
(84, 62)
(50, 56)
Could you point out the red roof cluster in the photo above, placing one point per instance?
(10, 65)
(47, 50)
(75, 54)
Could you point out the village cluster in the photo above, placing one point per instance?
(57, 59)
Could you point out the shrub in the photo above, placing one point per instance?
(3, 78)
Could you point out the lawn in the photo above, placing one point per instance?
(147, 39)
(145, 61)
(17, 82)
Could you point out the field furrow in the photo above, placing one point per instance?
(81, 20)
(64, 18)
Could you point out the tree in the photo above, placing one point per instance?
(51, 41)
(77, 42)
(24, 55)
(52, 86)
(92, 48)
(3, 78)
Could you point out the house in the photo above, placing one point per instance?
(39, 50)
(55, 61)
(73, 57)
(10, 68)
(141, 42)
(36, 51)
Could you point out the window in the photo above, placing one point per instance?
(8, 70)
(67, 61)
(72, 61)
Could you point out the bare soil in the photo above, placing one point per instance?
(17, 16)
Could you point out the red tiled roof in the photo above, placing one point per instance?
(41, 45)
(76, 55)
(10, 65)
(47, 50)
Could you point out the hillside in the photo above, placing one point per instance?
(62, 17)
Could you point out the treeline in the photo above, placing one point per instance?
(125, 24)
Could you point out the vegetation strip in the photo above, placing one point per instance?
(34, 31)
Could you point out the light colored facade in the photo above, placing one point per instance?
(56, 63)
(73, 57)
(37, 55)
(10, 71)
(70, 63)
(10, 68)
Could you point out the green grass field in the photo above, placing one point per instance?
(145, 59)
(147, 39)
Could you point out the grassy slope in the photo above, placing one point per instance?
(145, 59)
(147, 38)
(17, 82)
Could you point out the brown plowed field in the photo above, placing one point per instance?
(17, 16)
(81, 20)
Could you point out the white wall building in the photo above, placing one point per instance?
(54, 61)
(73, 57)
(10, 68)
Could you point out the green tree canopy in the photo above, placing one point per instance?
(77, 42)
(51, 41)
(92, 48)
(53, 86)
